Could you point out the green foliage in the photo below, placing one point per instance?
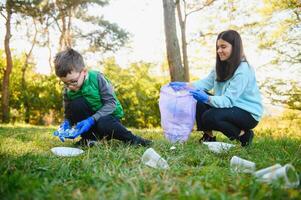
(281, 30)
(112, 170)
(105, 36)
(137, 91)
(42, 95)
(41, 100)
(283, 92)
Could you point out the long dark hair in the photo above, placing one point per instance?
(225, 69)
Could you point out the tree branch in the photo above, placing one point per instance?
(201, 8)
(3, 14)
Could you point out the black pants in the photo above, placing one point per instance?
(229, 121)
(107, 126)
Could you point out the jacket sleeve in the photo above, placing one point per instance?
(206, 83)
(235, 88)
(107, 98)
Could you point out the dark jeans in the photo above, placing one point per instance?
(229, 121)
(106, 127)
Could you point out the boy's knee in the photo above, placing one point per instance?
(106, 122)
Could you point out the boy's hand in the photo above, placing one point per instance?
(84, 125)
(63, 127)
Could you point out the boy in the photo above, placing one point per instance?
(90, 103)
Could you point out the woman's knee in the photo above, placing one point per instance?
(208, 118)
(201, 107)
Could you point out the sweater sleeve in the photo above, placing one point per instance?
(206, 83)
(107, 98)
(235, 87)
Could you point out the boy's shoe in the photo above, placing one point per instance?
(85, 143)
(247, 138)
(140, 141)
(207, 138)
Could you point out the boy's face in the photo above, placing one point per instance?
(74, 80)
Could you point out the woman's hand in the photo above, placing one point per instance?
(200, 95)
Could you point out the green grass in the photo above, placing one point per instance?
(112, 170)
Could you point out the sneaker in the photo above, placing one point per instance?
(141, 141)
(207, 138)
(85, 143)
(247, 138)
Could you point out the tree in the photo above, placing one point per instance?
(280, 33)
(137, 91)
(48, 13)
(283, 92)
(176, 69)
(9, 64)
(185, 9)
(284, 36)
(104, 37)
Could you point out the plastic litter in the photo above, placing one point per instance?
(62, 134)
(264, 171)
(287, 174)
(177, 109)
(172, 148)
(218, 147)
(66, 151)
(153, 159)
(238, 164)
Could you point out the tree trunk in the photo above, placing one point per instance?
(68, 35)
(63, 33)
(182, 23)
(176, 69)
(9, 66)
(48, 45)
(24, 68)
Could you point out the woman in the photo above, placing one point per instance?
(235, 107)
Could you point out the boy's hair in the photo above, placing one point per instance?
(226, 69)
(67, 61)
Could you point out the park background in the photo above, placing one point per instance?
(126, 40)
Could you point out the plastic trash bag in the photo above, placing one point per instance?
(177, 109)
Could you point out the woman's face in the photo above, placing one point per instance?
(224, 49)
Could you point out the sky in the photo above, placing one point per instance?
(144, 20)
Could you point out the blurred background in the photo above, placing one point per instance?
(126, 40)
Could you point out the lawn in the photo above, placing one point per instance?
(113, 170)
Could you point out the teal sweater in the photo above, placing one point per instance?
(240, 90)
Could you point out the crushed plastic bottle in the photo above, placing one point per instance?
(62, 134)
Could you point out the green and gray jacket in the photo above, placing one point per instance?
(98, 92)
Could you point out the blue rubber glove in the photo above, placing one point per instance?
(64, 126)
(84, 126)
(200, 95)
(71, 133)
(176, 86)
